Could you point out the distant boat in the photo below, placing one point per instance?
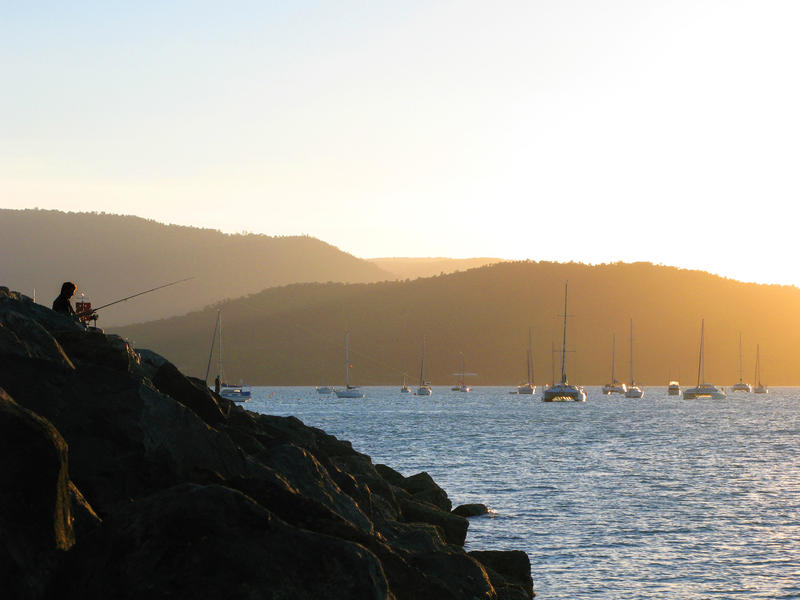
(324, 389)
(424, 388)
(741, 386)
(236, 393)
(404, 388)
(349, 391)
(462, 386)
(674, 388)
(633, 391)
(615, 387)
(529, 387)
(759, 389)
(564, 391)
(703, 389)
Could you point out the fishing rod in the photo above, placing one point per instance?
(93, 310)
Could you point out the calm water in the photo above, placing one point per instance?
(614, 498)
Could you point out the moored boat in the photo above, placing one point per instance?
(703, 389)
(424, 388)
(349, 391)
(614, 387)
(760, 388)
(528, 387)
(564, 391)
(741, 386)
(633, 391)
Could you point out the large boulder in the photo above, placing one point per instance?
(35, 500)
(194, 541)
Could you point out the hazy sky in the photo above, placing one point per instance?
(666, 131)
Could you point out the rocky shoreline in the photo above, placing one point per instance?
(122, 478)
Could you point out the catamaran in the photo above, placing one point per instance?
(349, 391)
(759, 389)
(633, 391)
(564, 391)
(741, 386)
(424, 388)
(615, 387)
(237, 393)
(703, 389)
(529, 387)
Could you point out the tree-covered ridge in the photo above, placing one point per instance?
(294, 335)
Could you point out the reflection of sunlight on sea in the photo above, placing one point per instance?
(613, 498)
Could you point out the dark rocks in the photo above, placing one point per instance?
(174, 492)
(471, 510)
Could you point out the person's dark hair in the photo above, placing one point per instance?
(68, 288)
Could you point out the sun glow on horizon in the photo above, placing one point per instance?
(563, 131)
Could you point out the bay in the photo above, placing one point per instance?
(613, 498)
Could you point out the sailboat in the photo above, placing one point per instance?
(759, 389)
(237, 393)
(741, 386)
(703, 389)
(615, 387)
(528, 387)
(462, 386)
(633, 391)
(404, 388)
(564, 391)
(424, 388)
(349, 391)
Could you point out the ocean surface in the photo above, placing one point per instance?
(613, 498)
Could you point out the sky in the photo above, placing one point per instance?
(566, 130)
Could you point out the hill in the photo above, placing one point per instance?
(113, 256)
(412, 268)
(294, 335)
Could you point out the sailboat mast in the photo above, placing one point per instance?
(564, 343)
(422, 365)
(740, 358)
(219, 356)
(613, 357)
(530, 356)
(632, 381)
(701, 370)
(347, 359)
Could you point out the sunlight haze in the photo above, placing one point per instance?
(545, 130)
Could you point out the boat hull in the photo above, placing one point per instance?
(634, 391)
(349, 393)
(424, 391)
(564, 393)
(704, 392)
(527, 388)
(236, 395)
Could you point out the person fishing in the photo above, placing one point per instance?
(62, 304)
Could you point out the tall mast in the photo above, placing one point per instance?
(701, 369)
(740, 357)
(530, 357)
(564, 343)
(347, 359)
(632, 380)
(613, 357)
(422, 365)
(219, 357)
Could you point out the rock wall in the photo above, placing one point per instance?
(122, 478)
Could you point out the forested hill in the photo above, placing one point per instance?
(411, 268)
(294, 335)
(113, 256)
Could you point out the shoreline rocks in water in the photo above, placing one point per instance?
(123, 478)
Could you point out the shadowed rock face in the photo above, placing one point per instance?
(122, 478)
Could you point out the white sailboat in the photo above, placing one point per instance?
(424, 388)
(741, 386)
(349, 391)
(462, 386)
(760, 388)
(529, 387)
(404, 388)
(237, 393)
(615, 387)
(633, 391)
(703, 389)
(564, 391)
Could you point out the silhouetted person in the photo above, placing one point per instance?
(217, 386)
(62, 304)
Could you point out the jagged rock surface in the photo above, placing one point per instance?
(123, 478)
